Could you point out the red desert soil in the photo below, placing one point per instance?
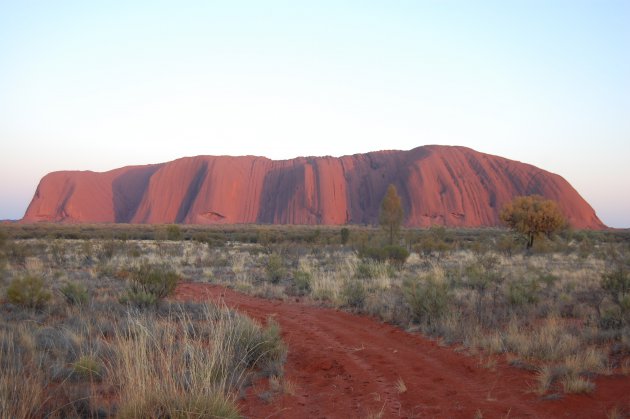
(452, 186)
(345, 366)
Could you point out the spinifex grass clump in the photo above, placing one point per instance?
(184, 361)
(169, 370)
(75, 293)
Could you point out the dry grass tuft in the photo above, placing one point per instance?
(577, 384)
(401, 387)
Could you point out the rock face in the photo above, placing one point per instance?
(452, 186)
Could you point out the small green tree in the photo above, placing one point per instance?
(532, 216)
(391, 215)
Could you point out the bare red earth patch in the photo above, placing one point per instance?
(346, 366)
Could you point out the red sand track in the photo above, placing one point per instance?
(346, 366)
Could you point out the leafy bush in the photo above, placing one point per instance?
(174, 232)
(523, 292)
(28, 291)
(396, 255)
(302, 282)
(75, 293)
(366, 270)
(428, 298)
(353, 293)
(275, 268)
(345, 235)
(617, 284)
(149, 285)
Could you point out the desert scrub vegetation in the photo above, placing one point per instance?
(28, 291)
(550, 306)
(559, 308)
(80, 352)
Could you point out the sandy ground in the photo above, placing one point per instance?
(345, 366)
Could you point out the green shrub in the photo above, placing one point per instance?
(523, 292)
(428, 298)
(150, 284)
(28, 291)
(366, 270)
(275, 268)
(174, 232)
(617, 282)
(353, 293)
(432, 246)
(345, 235)
(139, 299)
(75, 293)
(302, 282)
(396, 255)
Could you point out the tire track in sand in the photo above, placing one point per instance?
(346, 366)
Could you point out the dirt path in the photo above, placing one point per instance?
(345, 366)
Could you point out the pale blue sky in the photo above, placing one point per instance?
(98, 85)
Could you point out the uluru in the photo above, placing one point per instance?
(439, 185)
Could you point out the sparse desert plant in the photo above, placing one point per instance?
(275, 268)
(149, 285)
(577, 384)
(353, 293)
(302, 281)
(401, 387)
(108, 249)
(75, 293)
(548, 342)
(544, 379)
(396, 255)
(366, 269)
(88, 367)
(521, 293)
(28, 291)
(616, 283)
(428, 298)
(345, 235)
(174, 232)
(17, 252)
